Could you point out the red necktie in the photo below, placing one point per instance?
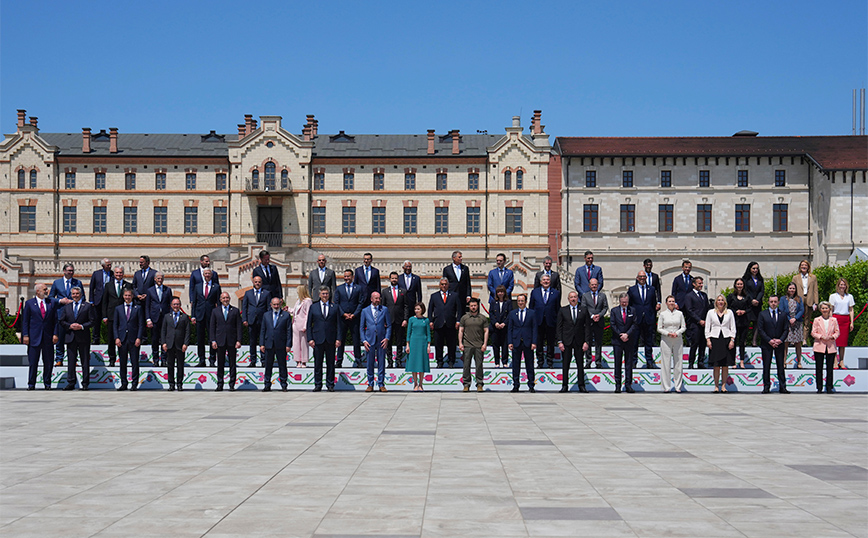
(589, 272)
(624, 315)
(42, 308)
(207, 289)
(395, 294)
(444, 297)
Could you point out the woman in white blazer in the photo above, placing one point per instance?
(720, 338)
(670, 325)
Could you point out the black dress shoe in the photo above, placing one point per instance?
(31, 388)
(69, 387)
(134, 387)
(47, 387)
(317, 389)
(766, 391)
(514, 389)
(588, 364)
(617, 390)
(583, 389)
(564, 389)
(171, 388)
(180, 389)
(84, 387)
(531, 389)
(551, 364)
(213, 364)
(218, 389)
(819, 391)
(331, 389)
(628, 389)
(232, 388)
(122, 387)
(252, 364)
(267, 388)
(112, 363)
(200, 364)
(439, 365)
(284, 388)
(784, 391)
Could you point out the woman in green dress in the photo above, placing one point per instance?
(418, 336)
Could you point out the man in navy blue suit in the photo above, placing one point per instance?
(545, 301)
(554, 277)
(682, 284)
(324, 325)
(38, 333)
(411, 284)
(98, 281)
(196, 276)
(522, 336)
(367, 277)
(204, 300)
(643, 300)
(158, 303)
(444, 317)
(129, 328)
(500, 276)
(586, 272)
(143, 279)
(274, 340)
(772, 328)
(694, 306)
(270, 274)
(256, 302)
(376, 329)
(77, 318)
(348, 297)
(225, 331)
(60, 292)
(623, 321)
(458, 276)
(653, 280)
(112, 298)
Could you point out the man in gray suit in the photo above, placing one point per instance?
(175, 336)
(597, 305)
(321, 276)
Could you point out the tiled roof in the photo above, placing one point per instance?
(399, 145)
(143, 145)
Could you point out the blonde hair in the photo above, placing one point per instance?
(302, 293)
(725, 304)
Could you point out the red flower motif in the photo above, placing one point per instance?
(729, 380)
(202, 378)
(692, 378)
(559, 377)
(429, 378)
(849, 380)
(595, 379)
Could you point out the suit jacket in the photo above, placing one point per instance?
(714, 328)
(58, 288)
(555, 279)
(443, 314)
(314, 282)
(97, 287)
(754, 291)
(111, 300)
(251, 311)
(276, 336)
(768, 329)
(521, 333)
(175, 336)
(619, 326)
(272, 282)
(813, 295)
(141, 285)
(349, 303)
(499, 312)
(546, 312)
(86, 318)
(680, 289)
(201, 306)
(325, 330)
(694, 307)
(462, 286)
(196, 279)
(372, 331)
(646, 311)
(155, 307)
(583, 282)
(414, 291)
(368, 287)
(39, 330)
(601, 308)
(399, 310)
(225, 331)
(784, 307)
(573, 333)
(128, 330)
(494, 281)
(654, 282)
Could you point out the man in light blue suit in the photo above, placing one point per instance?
(586, 272)
(500, 276)
(60, 292)
(376, 329)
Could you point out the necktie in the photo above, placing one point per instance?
(501, 275)
(624, 315)
(395, 294)
(349, 290)
(160, 293)
(105, 278)
(686, 280)
(642, 293)
(521, 316)
(207, 289)
(256, 293)
(275, 319)
(75, 310)
(367, 274)
(649, 279)
(119, 289)
(267, 273)
(225, 312)
(444, 297)
(128, 312)
(589, 272)
(176, 319)
(546, 296)
(67, 288)
(325, 310)
(145, 275)
(595, 298)
(42, 308)
(407, 280)
(457, 271)
(775, 316)
(574, 314)
(376, 314)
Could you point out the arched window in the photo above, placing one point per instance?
(284, 179)
(519, 179)
(21, 184)
(33, 179)
(269, 176)
(255, 177)
(507, 180)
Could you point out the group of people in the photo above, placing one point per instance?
(390, 324)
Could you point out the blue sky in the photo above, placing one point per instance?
(662, 68)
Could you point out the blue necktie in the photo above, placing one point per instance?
(75, 310)
(67, 288)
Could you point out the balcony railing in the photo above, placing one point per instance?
(272, 239)
(276, 186)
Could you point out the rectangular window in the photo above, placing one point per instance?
(441, 182)
(27, 218)
(99, 220)
(191, 220)
(441, 220)
(704, 178)
(379, 182)
(742, 178)
(780, 178)
(473, 181)
(160, 182)
(779, 223)
(131, 220)
(221, 220)
(69, 219)
(349, 182)
(378, 220)
(627, 178)
(513, 220)
(409, 182)
(130, 182)
(319, 220)
(590, 179)
(270, 179)
(220, 183)
(664, 219)
(33, 179)
(590, 217)
(99, 180)
(742, 217)
(703, 217)
(161, 220)
(21, 181)
(473, 214)
(349, 220)
(519, 180)
(410, 220)
(70, 180)
(628, 217)
(665, 178)
(319, 181)
(190, 184)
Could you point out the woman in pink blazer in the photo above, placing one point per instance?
(825, 330)
(300, 351)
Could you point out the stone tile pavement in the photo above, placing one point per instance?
(225, 464)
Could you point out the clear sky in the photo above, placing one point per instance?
(603, 68)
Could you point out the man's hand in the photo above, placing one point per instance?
(150, 324)
(138, 342)
(337, 344)
(25, 340)
(596, 318)
(184, 348)
(213, 345)
(585, 347)
(510, 347)
(117, 342)
(76, 326)
(461, 347)
(193, 321)
(457, 325)
(237, 345)
(367, 346)
(165, 347)
(244, 323)
(311, 343)
(624, 337)
(404, 323)
(385, 343)
(262, 349)
(105, 321)
(657, 307)
(702, 323)
(533, 347)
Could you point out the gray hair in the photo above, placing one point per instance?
(623, 295)
(827, 303)
(76, 288)
(159, 273)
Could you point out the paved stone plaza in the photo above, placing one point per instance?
(103, 463)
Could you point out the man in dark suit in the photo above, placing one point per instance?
(324, 325)
(376, 329)
(204, 301)
(772, 327)
(348, 297)
(682, 284)
(274, 342)
(522, 337)
(111, 299)
(394, 299)
(573, 331)
(143, 279)
(196, 276)
(458, 276)
(598, 306)
(545, 302)
(321, 276)
(500, 276)
(368, 278)
(255, 303)
(623, 320)
(554, 277)
(60, 292)
(77, 318)
(411, 284)
(643, 300)
(586, 272)
(695, 307)
(158, 303)
(38, 333)
(444, 316)
(225, 331)
(129, 328)
(98, 281)
(653, 280)
(270, 275)
(175, 336)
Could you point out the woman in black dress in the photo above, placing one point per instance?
(739, 304)
(755, 289)
(720, 338)
(499, 314)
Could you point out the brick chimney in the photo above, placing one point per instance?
(455, 139)
(242, 130)
(248, 124)
(315, 128)
(254, 126)
(535, 125)
(430, 141)
(85, 139)
(22, 116)
(34, 121)
(306, 132)
(113, 139)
